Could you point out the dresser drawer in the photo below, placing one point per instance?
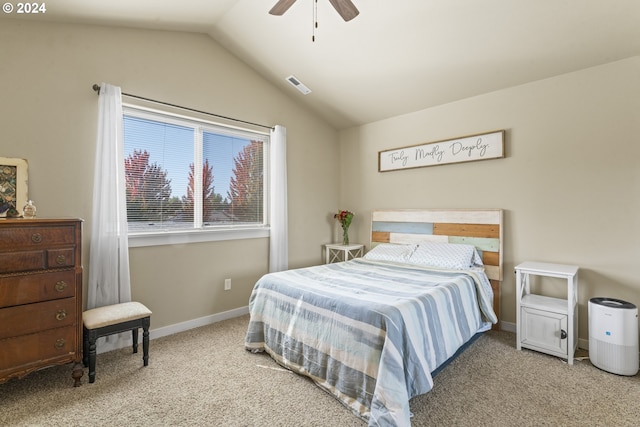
(36, 260)
(57, 258)
(35, 287)
(34, 237)
(37, 350)
(31, 318)
(22, 261)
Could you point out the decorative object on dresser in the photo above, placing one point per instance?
(13, 186)
(29, 210)
(40, 296)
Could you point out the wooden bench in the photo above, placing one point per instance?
(114, 319)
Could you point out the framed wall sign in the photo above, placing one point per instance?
(470, 148)
(13, 186)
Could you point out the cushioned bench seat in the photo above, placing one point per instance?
(113, 319)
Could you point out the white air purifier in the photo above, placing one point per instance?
(613, 335)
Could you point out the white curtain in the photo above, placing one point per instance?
(279, 240)
(109, 281)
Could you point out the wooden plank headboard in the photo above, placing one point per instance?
(479, 227)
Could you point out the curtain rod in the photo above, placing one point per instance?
(96, 87)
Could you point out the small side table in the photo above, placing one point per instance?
(546, 324)
(336, 252)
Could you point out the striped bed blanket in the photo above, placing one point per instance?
(370, 333)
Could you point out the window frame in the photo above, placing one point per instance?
(202, 233)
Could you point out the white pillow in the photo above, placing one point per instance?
(390, 252)
(451, 256)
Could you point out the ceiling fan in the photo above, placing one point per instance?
(345, 8)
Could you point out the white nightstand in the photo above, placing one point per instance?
(546, 324)
(336, 252)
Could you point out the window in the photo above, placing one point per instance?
(186, 176)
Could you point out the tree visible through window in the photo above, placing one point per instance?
(148, 189)
(167, 191)
(246, 183)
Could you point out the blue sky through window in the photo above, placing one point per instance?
(220, 150)
(172, 148)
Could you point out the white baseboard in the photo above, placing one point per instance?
(511, 327)
(508, 326)
(125, 339)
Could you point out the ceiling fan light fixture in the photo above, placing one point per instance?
(298, 85)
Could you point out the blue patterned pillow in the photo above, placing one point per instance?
(451, 256)
(390, 252)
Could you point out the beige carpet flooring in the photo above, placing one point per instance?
(204, 377)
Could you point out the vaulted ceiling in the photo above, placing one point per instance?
(396, 56)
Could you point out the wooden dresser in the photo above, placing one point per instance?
(40, 296)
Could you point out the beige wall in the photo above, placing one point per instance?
(569, 185)
(48, 115)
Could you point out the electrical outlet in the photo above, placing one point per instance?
(227, 284)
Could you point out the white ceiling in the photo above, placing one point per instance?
(397, 56)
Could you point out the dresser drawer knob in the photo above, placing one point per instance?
(61, 260)
(61, 314)
(60, 343)
(61, 286)
(36, 237)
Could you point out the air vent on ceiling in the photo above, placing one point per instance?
(298, 85)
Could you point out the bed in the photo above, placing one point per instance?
(372, 331)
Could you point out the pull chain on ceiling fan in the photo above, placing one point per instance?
(315, 20)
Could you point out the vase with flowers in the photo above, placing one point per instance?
(344, 218)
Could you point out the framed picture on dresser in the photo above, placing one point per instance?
(13, 186)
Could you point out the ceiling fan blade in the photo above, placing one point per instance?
(345, 8)
(281, 7)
